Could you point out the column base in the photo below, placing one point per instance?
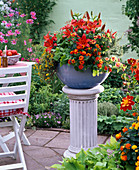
(68, 154)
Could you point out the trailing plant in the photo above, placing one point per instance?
(97, 159)
(107, 109)
(42, 8)
(112, 124)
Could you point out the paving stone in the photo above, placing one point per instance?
(5, 130)
(41, 137)
(101, 139)
(60, 141)
(29, 132)
(32, 164)
(59, 151)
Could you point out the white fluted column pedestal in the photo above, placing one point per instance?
(83, 118)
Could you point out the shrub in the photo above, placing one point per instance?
(107, 109)
(112, 124)
(61, 105)
(41, 99)
(113, 95)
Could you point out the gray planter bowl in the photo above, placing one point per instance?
(79, 80)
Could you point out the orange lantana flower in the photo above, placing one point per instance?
(124, 157)
(122, 148)
(127, 103)
(118, 136)
(124, 129)
(135, 114)
(128, 145)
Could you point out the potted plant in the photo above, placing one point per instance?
(82, 49)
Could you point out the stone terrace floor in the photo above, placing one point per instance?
(47, 147)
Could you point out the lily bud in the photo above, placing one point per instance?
(71, 13)
(99, 15)
(87, 14)
(103, 27)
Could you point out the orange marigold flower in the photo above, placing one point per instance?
(83, 52)
(137, 168)
(127, 103)
(97, 58)
(81, 62)
(99, 53)
(106, 58)
(97, 46)
(124, 129)
(73, 61)
(138, 118)
(75, 51)
(137, 75)
(136, 150)
(122, 148)
(138, 158)
(128, 145)
(71, 52)
(123, 157)
(118, 136)
(113, 58)
(81, 57)
(118, 64)
(88, 54)
(105, 68)
(69, 61)
(110, 70)
(93, 41)
(99, 65)
(135, 114)
(80, 67)
(131, 61)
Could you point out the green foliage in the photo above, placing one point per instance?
(42, 8)
(113, 95)
(107, 109)
(61, 105)
(41, 99)
(114, 79)
(96, 159)
(112, 124)
(131, 10)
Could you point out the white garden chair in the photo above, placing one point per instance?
(14, 104)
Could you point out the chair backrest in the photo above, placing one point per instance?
(15, 81)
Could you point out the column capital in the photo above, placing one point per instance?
(83, 94)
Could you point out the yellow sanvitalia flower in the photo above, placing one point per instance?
(137, 163)
(134, 147)
(138, 118)
(136, 150)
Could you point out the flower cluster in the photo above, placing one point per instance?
(83, 43)
(48, 119)
(131, 76)
(15, 28)
(129, 143)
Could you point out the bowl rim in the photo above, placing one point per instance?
(18, 55)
